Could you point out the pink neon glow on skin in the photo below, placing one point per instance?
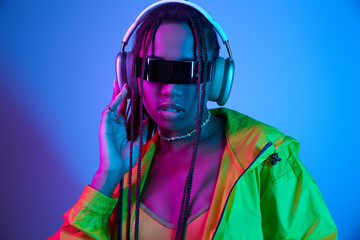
(173, 42)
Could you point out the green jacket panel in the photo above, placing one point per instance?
(271, 200)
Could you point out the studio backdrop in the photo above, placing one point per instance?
(297, 69)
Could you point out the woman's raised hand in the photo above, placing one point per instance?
(114, 145)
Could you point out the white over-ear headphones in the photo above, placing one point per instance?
(223, 69)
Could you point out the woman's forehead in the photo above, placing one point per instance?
(173, 41)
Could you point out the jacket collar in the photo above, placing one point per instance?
(248, 138)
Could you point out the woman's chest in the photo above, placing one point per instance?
(164, 185)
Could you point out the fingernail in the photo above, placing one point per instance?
(125, 87)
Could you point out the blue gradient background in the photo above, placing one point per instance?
(297, 68)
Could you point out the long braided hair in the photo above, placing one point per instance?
(205, 42)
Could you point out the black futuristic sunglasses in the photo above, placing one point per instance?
(173, 72)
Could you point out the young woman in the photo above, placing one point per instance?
(203, 174)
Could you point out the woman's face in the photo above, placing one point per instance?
(173, 106)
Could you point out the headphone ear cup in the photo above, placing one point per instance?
(216, 81)
(123, 68)
(228, 77)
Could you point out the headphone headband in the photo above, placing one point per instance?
(222, 70)
(139, 19)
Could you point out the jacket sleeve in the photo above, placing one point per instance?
(291, 204)
(89, 218)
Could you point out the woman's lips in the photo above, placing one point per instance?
(171, 111)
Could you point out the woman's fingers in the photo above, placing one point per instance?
(110, 113)
(118, 99)
(115, 90)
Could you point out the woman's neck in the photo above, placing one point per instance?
(213, 128)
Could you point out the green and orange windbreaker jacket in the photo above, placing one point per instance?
(263, 191)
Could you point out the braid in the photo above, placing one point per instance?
(137, 205)
(131, 159)
(133, 102)
(202, 68)
(181, 228)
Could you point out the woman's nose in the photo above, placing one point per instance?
(170, 89)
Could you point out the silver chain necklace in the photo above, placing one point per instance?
(187, 134)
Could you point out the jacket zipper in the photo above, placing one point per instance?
(222, 212)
